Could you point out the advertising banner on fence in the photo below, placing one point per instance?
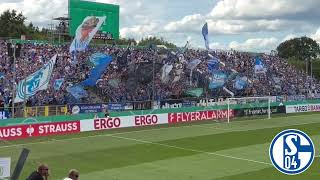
(199, 116)
(303, 108)
(86, 108)
(255, 111)
(36, 130)
(123, 122)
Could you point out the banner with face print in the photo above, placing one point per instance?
(85, 32)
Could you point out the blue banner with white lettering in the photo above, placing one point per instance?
(86, 108)
(218, 80)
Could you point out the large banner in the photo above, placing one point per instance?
(303, 108)
(199, 116)
(85, 32)
(124, 121)
(36, 130)
(35, 82)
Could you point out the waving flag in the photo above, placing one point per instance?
(205, 34)
(218, 80)
(213, 64)
(196, 92)
(259, 66)
(85, 32)
(165, 71)
(101, 61)
(35, 82)
(241, 83)
(193, 64)
(58, 83)
(77, 91)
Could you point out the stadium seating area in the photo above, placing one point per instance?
(130, 76)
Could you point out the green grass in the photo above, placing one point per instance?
(198, 151)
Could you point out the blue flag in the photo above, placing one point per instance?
(259, 66)
(77, 91)
(205, 34)
(218, 80)
(213, 64)
(58, 83)
(241, 83)
(193, 64)
(100, 61)
(2, 75)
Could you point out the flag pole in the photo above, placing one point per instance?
(14, 78)
(24, 97)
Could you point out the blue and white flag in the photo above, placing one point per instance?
(213, 64)
(35, 82)
(218, 80)
(259, 66)
(193, 64)
(100, 61)
(77, 91)
(58, 83)
(205, 34)
(241, 83)
(2, 75)
(85, 32)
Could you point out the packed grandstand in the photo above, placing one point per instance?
(129, 77)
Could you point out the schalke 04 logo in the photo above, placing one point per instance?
(292, 152)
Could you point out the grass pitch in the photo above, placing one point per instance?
(198, 151)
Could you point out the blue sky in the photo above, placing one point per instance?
(253, 25)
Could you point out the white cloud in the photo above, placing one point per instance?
(316, 36)
(253, 9)
(138, 30)
(217, 45)
(190, 23)
(257, 44)
(289, 36)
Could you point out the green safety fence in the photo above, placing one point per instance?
(32, 120)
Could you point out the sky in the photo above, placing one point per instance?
(246, 25)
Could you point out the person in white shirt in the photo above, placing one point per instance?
(73, 175)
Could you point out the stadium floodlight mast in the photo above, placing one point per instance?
(231, 101)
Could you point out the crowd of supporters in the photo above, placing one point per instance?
(135, 73)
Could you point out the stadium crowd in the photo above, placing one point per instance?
(130, 76)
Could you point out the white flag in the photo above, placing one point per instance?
(85, 32)
(35, 82)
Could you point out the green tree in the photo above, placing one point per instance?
(302, 48)
(156, 41)
(12, 24)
